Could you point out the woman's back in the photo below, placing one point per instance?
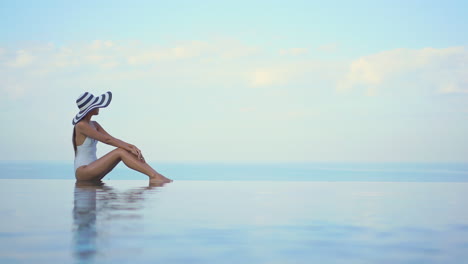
(86, 152)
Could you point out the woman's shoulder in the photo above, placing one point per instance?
(83, 125)
(96, 124)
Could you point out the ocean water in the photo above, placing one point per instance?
(234, 213)
(407, 172)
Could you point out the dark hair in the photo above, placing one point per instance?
(73, 140)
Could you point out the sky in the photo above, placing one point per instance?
(239, 81)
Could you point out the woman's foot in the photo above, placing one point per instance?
(159, 178)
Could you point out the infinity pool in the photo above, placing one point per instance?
(121, 221)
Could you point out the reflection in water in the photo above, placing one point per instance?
(84, 219)
(94, 201)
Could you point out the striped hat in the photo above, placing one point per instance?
(87, 102)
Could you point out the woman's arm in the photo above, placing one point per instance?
(101, 135)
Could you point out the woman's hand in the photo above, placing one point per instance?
(136, 151)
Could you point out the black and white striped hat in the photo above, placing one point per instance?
(87, 102)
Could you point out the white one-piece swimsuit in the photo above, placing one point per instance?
(86, 152)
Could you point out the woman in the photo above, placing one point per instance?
(86, 133)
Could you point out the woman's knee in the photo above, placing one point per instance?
(120, 152)
(123, 154)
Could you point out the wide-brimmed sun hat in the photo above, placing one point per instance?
(87, 102)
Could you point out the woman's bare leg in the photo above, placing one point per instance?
(99, 168)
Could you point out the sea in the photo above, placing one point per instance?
(216, 171)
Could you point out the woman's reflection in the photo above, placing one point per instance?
(86, 211)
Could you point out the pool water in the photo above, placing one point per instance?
(124, 221)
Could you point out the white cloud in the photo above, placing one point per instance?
(23, 58)
(294, 51)
(101, 44)
(270, 76)
(449, 88)
(328, 47)
(209, 82)
(442, 70)
(94, 58)
(189, 50)
(108, 54)
(263, 77)
(304, 72)
(14, 91)
(227, 61)
(247, 109)
(232, 48)
(144, 57)
(197, 62)
(219, 48)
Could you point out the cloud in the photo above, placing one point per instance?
(229, 48)
(247, 109)
(273, 111)
(101, 44)
(263, 78)
(435, 70)
(211, 81)
(106, 54)
(294, 51)
(23, 58)
(270, 76)
(217, 49)
(328, 47)
(144, 57)
(295, 72)
(227, 61)
(15, 90)
(150, 55)
(449, 88)
(107, 61)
